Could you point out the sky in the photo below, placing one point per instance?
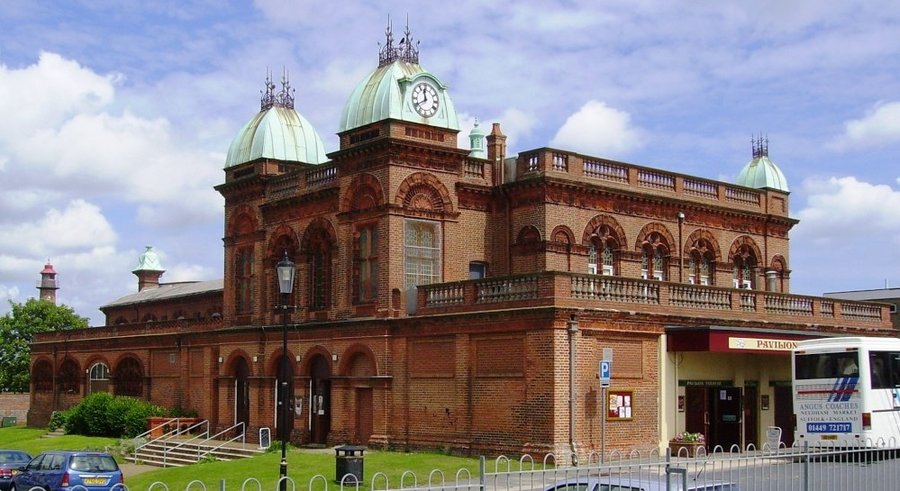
(115, 116)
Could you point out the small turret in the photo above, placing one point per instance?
(148, 270)
(48, 284)
(476, 142)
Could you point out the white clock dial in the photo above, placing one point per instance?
(425, 99)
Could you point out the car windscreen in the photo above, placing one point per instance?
(93, 463)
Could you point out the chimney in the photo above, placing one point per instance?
(496, 152)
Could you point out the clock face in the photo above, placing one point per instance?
(425, 99)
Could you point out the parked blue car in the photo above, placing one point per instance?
(10, 462)
(77, 471)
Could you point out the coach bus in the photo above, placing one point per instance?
(847, 392)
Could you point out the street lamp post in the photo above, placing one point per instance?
(285, 271)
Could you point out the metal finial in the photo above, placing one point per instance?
(268, 96)
(405, 49)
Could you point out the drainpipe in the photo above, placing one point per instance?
(573, 330)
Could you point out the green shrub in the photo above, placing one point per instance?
(58, 420)
(101, 414)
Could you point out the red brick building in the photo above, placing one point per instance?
(462, 299)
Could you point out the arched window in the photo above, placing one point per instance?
(129, 378)
(654, 258)
(365, 264)
(98, 378)
(42, 374)
(67, 381)
(603, 252)
(318, 248)
(243, 280)
(744, 266)
(701, 265)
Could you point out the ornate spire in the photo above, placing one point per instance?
(404, 51)
(284, 97)
(760, 146)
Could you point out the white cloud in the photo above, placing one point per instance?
(598, 129)
(846, 212)
(79, 225)
(880, 126)
(847, 235)
(7, 294)
(49, 92)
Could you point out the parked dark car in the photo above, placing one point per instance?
(10, 461)
(635, 483)
(55, 471)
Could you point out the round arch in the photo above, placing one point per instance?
(649, 229)
(603, 220)
(562, 234)
(425, 192)
(358, 360)
(705, 235)
(741, 242)
(364, 192)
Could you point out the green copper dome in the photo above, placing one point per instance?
(277, 132)
(393, 89)
(762, 173)
(148, 261)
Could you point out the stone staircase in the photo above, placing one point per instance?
(179, 447)
(178, 452)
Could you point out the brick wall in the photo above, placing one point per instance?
(15, 404)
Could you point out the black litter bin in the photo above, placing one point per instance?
(349, 460)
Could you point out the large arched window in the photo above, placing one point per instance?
(130, 378)
(67, 380)
(98, 378)
(42, 375)
(701, 264)
(603, 252)
(654, 258)
(744, 266)
(318, 246)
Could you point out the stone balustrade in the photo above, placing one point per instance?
(563, 289)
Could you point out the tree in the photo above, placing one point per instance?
(17, 329)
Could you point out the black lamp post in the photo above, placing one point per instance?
(286, 272)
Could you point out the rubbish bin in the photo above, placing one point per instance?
(8, 421)
(349, 460)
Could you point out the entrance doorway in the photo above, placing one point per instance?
(784, 412)
(320, 399)
(717, 413)
(242, 393)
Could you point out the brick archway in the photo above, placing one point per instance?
(425, 192)
(364, 192)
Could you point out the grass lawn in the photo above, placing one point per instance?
(302, 466)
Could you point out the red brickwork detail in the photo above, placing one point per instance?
(433, 357)
(499, 356)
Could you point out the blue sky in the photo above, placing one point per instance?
(117, 114)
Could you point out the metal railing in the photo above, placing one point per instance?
(835, 467)
(165, 434)
(221, 443)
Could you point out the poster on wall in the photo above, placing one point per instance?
(619, 406)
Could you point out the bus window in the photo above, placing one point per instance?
(827, 365)
(895, 369)
(879, 361)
